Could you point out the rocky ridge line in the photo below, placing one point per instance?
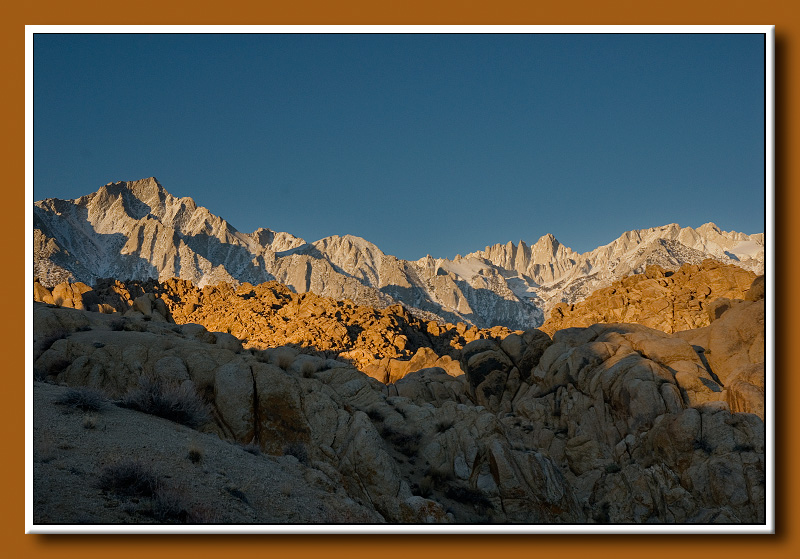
(137, 230)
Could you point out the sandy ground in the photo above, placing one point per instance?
(201, 478)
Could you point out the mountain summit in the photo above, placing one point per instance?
(138, 230)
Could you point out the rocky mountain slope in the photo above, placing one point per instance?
(137, 230)
(550, 273)
(610, 423)
(670, 301)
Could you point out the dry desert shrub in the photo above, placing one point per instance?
(282, 356)
(170, 505)
(83, 398)
(128, 478)
(150, 496)
(406, 443)
(179, 403)
(90, 422)
(195, 454)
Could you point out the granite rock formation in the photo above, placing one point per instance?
(670, 301)
(612, 423)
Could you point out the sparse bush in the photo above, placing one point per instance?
(128, 478)
(298, 450)
(90, 422)
(407, 443)
(612, 468)
(162, 502)
(263, 356)
(129, 507)
(744, 448)
(178, 403)
(282, 357)
(424, 488)
(170, 506)
(195, 454)
(83, 398)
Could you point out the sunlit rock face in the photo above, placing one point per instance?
(667, 300)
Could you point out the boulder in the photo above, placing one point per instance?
(234, 398)
(488, 370)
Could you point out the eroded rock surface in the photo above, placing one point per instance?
(610, 423)
(670, 301)
(387, 343)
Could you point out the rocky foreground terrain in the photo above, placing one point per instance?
(138, 230)
(618, 423)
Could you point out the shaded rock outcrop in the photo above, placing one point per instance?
(327, 414)
(733, 347)
(610, 423)
(641, 430)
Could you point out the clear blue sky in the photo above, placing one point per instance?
(437, 144)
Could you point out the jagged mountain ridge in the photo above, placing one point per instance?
(137, 230)
(552, 273)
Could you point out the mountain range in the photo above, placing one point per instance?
(138, 230)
